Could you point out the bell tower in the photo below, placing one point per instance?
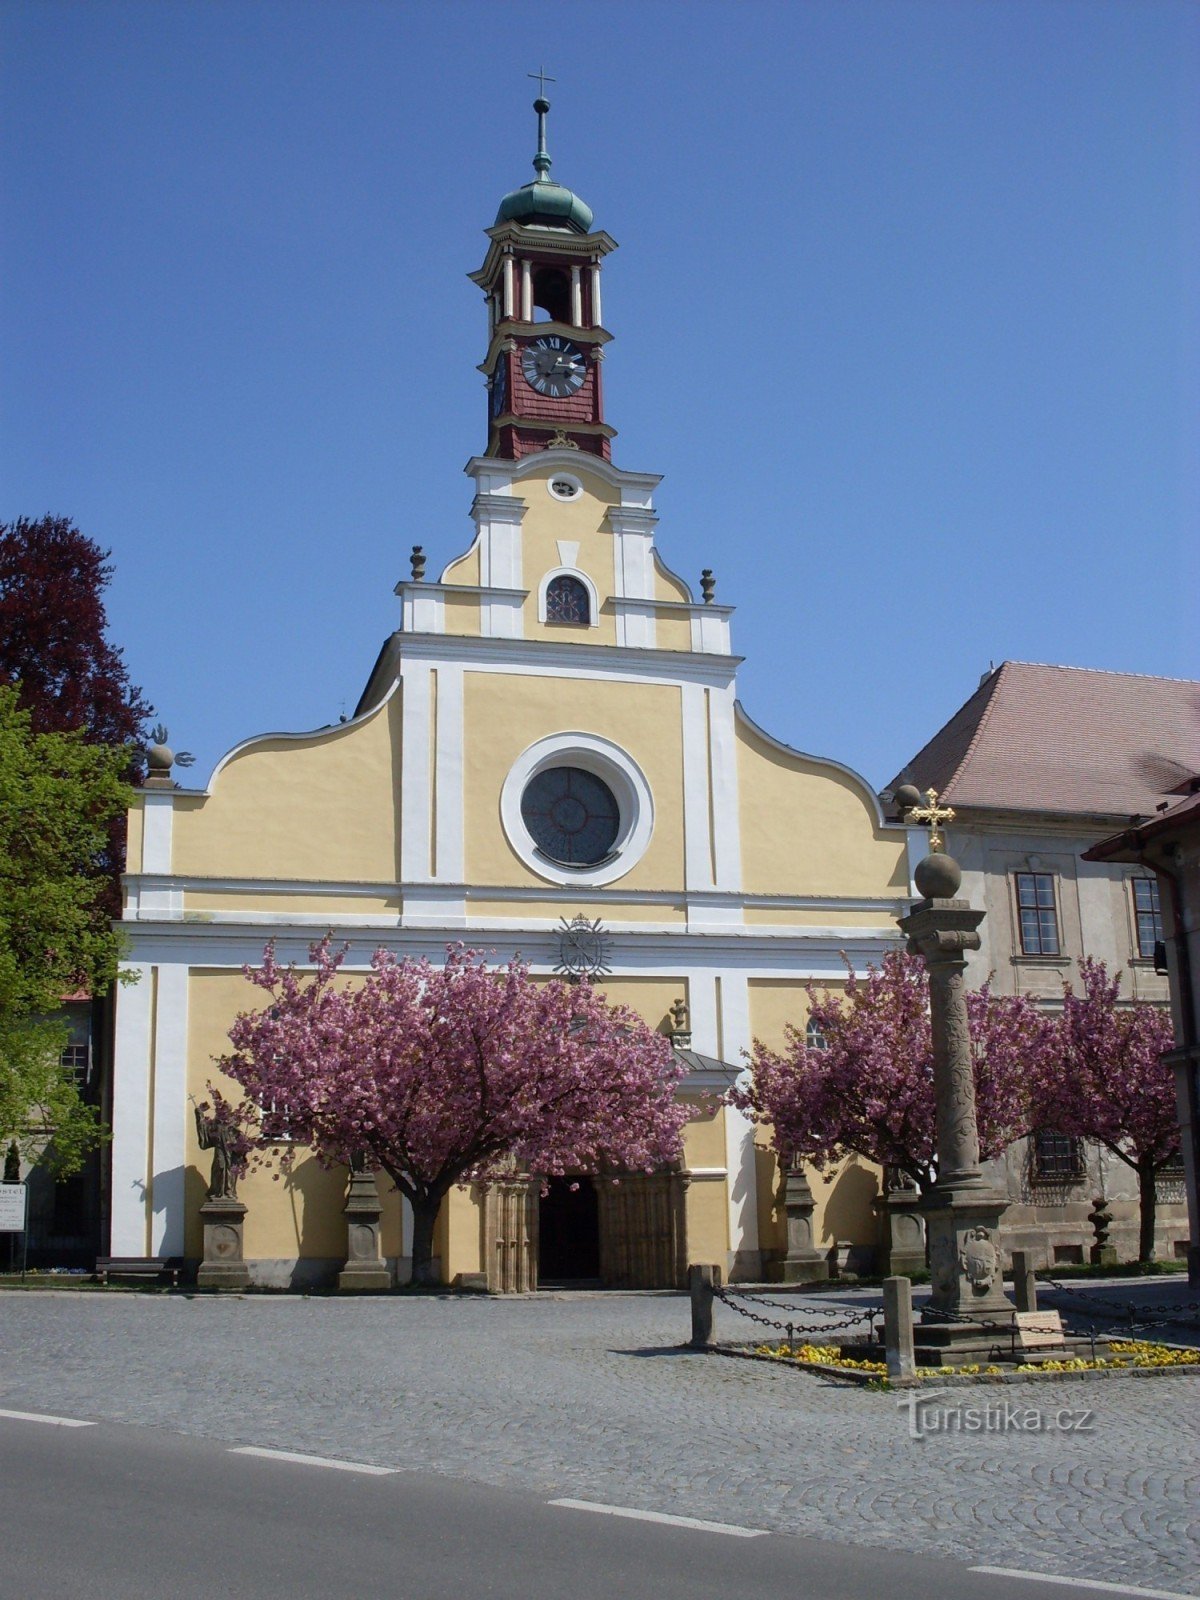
(541, 280)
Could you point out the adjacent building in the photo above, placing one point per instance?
(1039, 765)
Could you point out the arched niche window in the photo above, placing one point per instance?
(568, 600)
(814, 1036)
(551, 295)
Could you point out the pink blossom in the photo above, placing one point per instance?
(448, 1075)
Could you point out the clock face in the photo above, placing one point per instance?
(553, 366)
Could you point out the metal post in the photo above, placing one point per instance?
(700, 1287)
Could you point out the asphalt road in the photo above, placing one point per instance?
(109, 1511)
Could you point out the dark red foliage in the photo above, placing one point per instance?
(53, 645)
(52, 633)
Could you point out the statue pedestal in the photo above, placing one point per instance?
(223, 1266)
(902, 1232)
(969, 1317)
(803, 1263)
(365, 1267)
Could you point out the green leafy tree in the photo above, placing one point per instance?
(59, 794)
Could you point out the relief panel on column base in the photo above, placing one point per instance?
(965, 1261)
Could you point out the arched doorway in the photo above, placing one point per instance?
(569, 1232)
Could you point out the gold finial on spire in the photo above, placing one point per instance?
(934, 815)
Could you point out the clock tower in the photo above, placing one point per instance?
(541, 280)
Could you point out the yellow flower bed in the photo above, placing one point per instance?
(1125, 1353)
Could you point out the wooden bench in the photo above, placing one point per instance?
(156, 1267)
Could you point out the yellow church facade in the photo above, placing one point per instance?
(548, 758)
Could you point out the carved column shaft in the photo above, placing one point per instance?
(954, 1072)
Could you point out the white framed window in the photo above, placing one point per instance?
(577, 809)
(568, 584)
(563, 486)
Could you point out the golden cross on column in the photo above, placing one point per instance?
(934, 815)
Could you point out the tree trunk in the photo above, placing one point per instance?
(425, 1214)
(1149, 1200)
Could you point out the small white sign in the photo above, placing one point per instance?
(12, 1207)
(1039, 1330)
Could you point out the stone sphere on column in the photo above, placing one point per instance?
(938, 876)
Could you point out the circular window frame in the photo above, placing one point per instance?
(613, 766)
(564, 477)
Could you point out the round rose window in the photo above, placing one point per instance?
(572, 816)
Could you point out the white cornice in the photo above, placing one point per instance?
(481, 590)
(883, 906)
(629, 663)
(617, 477)
(635, 951)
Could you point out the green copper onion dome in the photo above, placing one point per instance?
(543, 203)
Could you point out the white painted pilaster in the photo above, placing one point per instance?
(576, 297)
(710, 630)
(450, 825)
(132, 1068)
(697, 841)
(168, 1155)
(526, 291)
(597, 315)
(739, 1131)
(727, 841)
(415, 772)
(158, 819)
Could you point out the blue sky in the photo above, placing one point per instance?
(905, 311)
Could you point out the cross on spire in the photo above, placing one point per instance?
(542, 79)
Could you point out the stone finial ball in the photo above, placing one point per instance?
(938, 877)
(907, 796)
(160, 758)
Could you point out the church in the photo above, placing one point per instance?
(548, 757)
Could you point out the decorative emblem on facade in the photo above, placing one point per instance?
(582, 948)
(978, 1259)
(559, 441)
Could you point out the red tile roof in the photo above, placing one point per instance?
(1064, 739)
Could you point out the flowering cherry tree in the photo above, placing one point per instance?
(861, 1081)
(449, 1075)
(1106, 1081)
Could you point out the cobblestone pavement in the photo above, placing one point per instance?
(590, 1396)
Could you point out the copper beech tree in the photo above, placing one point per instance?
(446, 1075)
(863, 1083)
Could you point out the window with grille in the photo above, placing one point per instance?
(1148, 915)
(1038, 914)
(814, 1038)
(567, 600)
(77, 1059)
(1057, 1157)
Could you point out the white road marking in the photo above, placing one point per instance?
(54, 1422)
(1087, 1583)
(662, 1516)
(312, 1461)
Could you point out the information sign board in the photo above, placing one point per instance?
(12, 1207)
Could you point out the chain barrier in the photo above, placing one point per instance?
(1136, 1319)
(846, 1317)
